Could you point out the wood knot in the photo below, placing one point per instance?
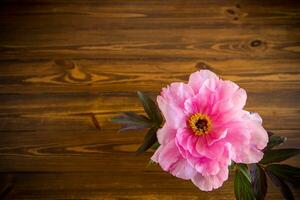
(256, 43)
(230, 11)
(234, 13)
(67, 64)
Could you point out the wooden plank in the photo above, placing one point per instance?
(94, 76)
(77, 111)
(143, 185)
(84, 151)
(238, 42)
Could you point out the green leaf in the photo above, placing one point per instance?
(284, 188)
(242, 185)
(244, 170)
(151, 108)
(130, 117)
(149, 140)
(286, 172)
(275, 140)
(155, 146)
(278, 155)
(259, 181)
(131, 120)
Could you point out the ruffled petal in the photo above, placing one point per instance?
(156, 154)
(215, 135)
(199, 103)
(172, 114)
(213, 151)
(171, 102)
(248, 155)
(197, 79)
(177, 93)
(239, 98)
(210, 182)
(182, 136)
(168, 155)
(255, 117)
(186, 141)
(182, 169)
(251, 136)
(207, 166)
(228, 90)
(259, 136)
(166, 134)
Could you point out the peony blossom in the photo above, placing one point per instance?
(206, 129)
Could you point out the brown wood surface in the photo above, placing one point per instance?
(66, 67)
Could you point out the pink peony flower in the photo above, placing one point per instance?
(205, 129)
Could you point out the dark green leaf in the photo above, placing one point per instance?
(151, 108)
(278, 155)
(155, 146)
(130, 118)
(275, 140)
(286, 172)
(259, 181)
(132, 121)
(136, 116)
(149, 140)
(244, 170)
(284, 188)
(242, 185)
(131, 127)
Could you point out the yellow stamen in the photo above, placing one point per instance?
(200, 124)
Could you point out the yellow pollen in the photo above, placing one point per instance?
(200, 124)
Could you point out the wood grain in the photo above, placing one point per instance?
(67, 67)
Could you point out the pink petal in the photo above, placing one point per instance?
(215, 135)
(248, 156)
(170, 111)
(259, 136)
(182, 169)
(166, 134)
(198, 104)
(213, 151)
(230, 90)
(168, 155)
(186, 141)
(255, 117)
(177, 93)
(171, 102)
(208, 166)
(197, 78)
(182, 136)
(210, 182)
(228, 116)
(239, 98)
(256, 140)
(155, 156)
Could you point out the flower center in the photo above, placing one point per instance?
(200, 124)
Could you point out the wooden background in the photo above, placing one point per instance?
(67, 67)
